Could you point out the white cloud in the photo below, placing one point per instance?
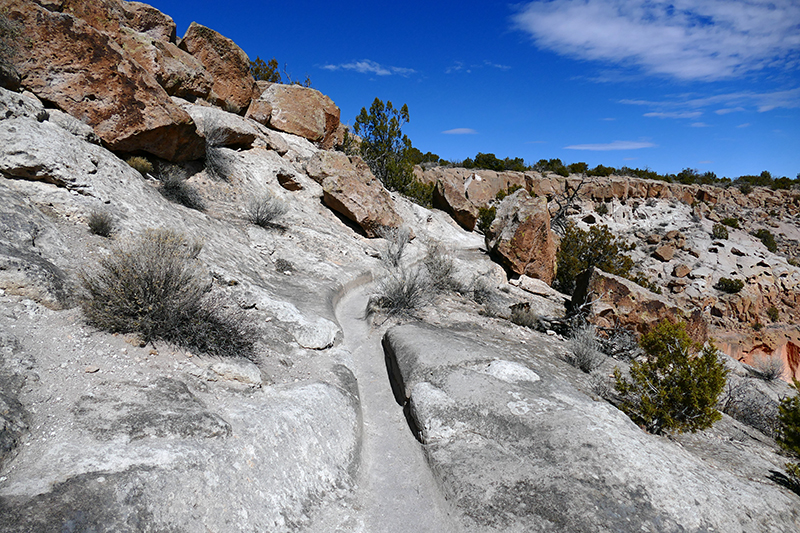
(460, 131)
(675, 114)
(684, 39)
(367, 66)
(727, 110)
(706, 162)
(700, 125)
(745, 125)
(616, 145)
(460, 66)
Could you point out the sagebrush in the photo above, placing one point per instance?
(264, 210)
(101, 223)
(584, 349)
(153, 286)
(175, 188)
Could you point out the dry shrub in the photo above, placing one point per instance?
(523, 315)
(175, 189)
(769, 367)
(396, 240)
(263, 211)
(401, 292)
(101, 223)
(441, 267)
(141, 164)
(584, 349)
(153, 287)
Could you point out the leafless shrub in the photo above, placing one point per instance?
(175, 189)
(396, 240)
(743, 401)
(216, 163)
(584, 349)
(101, 223)
(402, 291)
(523, 315)
(441, 267)
(769, 367)
(262, 211)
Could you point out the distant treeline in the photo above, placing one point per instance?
(687, 176)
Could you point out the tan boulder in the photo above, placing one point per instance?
(681, 270)
(618, 301)
(302, 111)
(233, 86)
(226, 129)
(110, 16)
(147, 19)
(85, 73)
(449, 196)
(350, 189)
(521, 239)
(260, 111)
(665, 252)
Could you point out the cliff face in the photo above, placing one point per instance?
(452, 419)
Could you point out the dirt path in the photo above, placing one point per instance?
(397, 491)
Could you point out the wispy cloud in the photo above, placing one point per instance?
(745, 125)
(607, 147)
(675, 114)
(689, 105)
(367, 66)
(706, 162)
(460, 66)
(700, 125)
(460, 131)
(684, 39)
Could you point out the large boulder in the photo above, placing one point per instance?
(620, 302)
(350, 189)
(300, 111)
(84, 72)
(521, 239)
(224, 129)
(516, 446)
(233, 86)
(450, 196)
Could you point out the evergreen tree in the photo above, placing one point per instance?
(383, 145)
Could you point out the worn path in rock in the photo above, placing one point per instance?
(397, 491)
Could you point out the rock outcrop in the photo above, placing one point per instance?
(298, 110)
(521, 239)
(84, 72)
(233, 86)
(352, 190)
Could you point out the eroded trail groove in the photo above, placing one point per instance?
(397, 492)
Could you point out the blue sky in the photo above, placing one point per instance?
(712, 85)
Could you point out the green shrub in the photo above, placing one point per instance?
(789, 432)
(101, 223)
(745, 188)
(140, 164)
(675, 388)
(719, 232)
(773, 313)
(263, 211)
(486, 216)
(581, 250)
(731, 286)
(731, 222)
(420, 193)
(767, 239)
(601, 209)
(153, 287)
(642, 280)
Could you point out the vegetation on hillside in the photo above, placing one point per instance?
(677, 386)
(581, 250)
(270, 71)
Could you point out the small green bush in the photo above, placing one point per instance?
(731, 286)
(581, 250)
(719, 232)
(263, 211)
(773, 313)
(745, 188)
(101, 223)
(767, 239)
(153, 287)
(140, 164)
(419, 193)
(789, 432)
(675, 388)
(601, 209)
(486, 216)
(731, 222)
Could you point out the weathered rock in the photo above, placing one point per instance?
(353, 191)
(665, 252)
(300, 111)
(226, 129)
(681, 270)
(9, 77)
(233, 84)
(147, 19)
(16, 105)
(450, 196)
(520, 237)
(260, 111)
(82, 71)
(516, 447)
(618, 301)
(177, 71)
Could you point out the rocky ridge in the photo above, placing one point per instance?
(99, 432)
